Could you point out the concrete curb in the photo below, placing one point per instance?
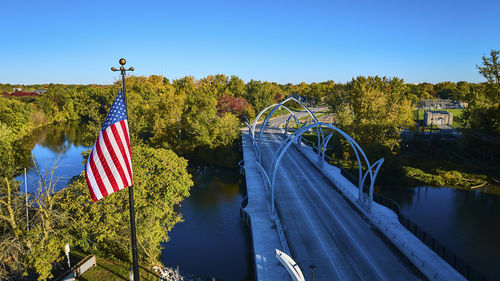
(265, 233)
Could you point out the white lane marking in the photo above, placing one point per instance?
(315, 232)
(294, 161)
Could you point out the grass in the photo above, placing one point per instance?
(451, 178)
(449, 164)
(110, 270)
(277, 113)
(308, 117)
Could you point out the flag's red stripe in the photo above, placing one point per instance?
(97, 176)
(125, 131)
(112, 153)
(92, 194)
(105, 165)
(124, 126)
(122, 149)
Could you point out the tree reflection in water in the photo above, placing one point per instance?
(45, 145)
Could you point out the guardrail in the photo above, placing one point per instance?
(448, 255)
(436, 246)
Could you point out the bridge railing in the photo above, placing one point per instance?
(435, 245)
(448, 255)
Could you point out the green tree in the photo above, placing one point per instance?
(39, 247)
(199, 114)
(166, 117)
(236, 86)
(445, 90)
(483, 112)
(46, 237)
(161, 182)
(12, 246)
(421, 92)
(261, 94)
(490, 69)
(373, 110)
(463, 92)
(201, 119)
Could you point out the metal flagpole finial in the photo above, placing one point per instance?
(122, 62)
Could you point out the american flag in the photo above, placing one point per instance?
(109, 167)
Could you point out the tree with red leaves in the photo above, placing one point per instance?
(237, 106)
(21, 94)
(278, 97)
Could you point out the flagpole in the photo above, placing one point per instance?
(130, 189)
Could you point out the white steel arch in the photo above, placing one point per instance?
(372, 169)
(264, 110)
(252, 129)
(277, 105)
(270, 114)
(288, 122)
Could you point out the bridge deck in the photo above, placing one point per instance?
(323, 230)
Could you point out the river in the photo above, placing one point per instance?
(465, 221)
(56, 144)
(211, 242)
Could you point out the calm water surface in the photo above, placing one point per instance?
(465, 221)
(61, 144)
(211, 242)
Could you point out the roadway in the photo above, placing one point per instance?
(322, 229)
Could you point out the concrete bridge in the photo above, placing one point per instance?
(302, 206)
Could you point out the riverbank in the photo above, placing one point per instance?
(110, 269)
(451, 164)
(173, 274)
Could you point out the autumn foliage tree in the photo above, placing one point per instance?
(161, 182)
(373, 110)
(483, 112)
(236, 105)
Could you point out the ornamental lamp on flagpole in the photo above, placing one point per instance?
(123, 72)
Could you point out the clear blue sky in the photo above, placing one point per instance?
(77, 41)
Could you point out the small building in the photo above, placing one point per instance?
(441, 104)
(438, 118)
